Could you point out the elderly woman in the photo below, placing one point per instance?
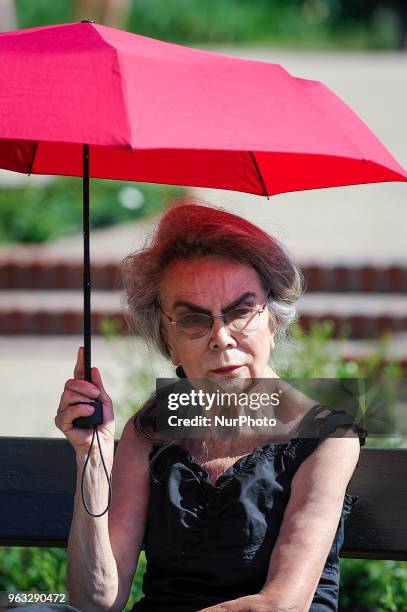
(247, 523)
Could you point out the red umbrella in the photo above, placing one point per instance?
(87, 100)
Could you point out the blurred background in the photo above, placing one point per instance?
(350, 241)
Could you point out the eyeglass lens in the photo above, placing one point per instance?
(236, 319)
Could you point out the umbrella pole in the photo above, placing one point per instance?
(86, 265)
(97, 417)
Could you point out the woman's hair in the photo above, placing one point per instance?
(191, 230)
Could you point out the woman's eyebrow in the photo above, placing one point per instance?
(197, 308)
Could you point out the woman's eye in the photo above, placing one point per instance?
(240, 313)
(192, 319)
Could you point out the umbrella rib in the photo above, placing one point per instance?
(30, 167)
(259, 174)
(122, 83)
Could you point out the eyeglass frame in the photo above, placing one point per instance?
(260, 310)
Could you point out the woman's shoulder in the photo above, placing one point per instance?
(319, 423)
(322, 421)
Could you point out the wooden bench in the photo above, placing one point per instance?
(38, 479)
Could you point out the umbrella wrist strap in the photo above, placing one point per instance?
(109, 478)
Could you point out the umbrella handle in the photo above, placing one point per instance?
(94, 419)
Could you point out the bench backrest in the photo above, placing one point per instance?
(38, 479)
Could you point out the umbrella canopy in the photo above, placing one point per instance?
(158, 112)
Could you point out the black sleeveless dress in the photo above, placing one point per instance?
(206, 544)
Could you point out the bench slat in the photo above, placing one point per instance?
(38, 479)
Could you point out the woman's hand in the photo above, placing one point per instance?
(250, 603)
(79, 390)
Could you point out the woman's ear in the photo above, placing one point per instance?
(164, 333)
(173, 353)
(174, 357)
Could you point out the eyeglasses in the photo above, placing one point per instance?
(241, 318)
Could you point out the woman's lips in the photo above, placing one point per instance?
(228, 369)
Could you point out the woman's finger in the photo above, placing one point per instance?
(64, 419)
(97, 380)
(70, 397)
(79, 370)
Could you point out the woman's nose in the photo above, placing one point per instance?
(220, 335)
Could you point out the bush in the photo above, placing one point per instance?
(310, 23)
(27, 569)
(373, 585)
(40, 213)
(36, 569)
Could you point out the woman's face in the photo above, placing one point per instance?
(211, 285)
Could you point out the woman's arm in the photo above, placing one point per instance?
(103, 552)
(310, 522)
(92, 578)
(307, 531)
(251, 603)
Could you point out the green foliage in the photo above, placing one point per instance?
(32, 569)
(136, 591)
(40, 213)
(313, 353)
(373, 585)
(308, 23)
(43, 12)
(36, 569)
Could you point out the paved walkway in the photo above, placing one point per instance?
(34, 371)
